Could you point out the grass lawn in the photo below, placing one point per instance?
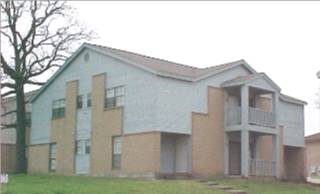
(271, 186)
(27, 184)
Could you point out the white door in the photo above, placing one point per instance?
(83, 157)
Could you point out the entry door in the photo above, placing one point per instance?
(83, 156)
(234, 158)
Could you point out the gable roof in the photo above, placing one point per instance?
(164, 67)
(248, 78)
(292, 99)
(153, 65)
(313, 138)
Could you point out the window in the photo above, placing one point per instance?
(89, 100)
(114, 97)
(87, 146)
(83, 146)
(58, 109)
(28, 119)
(79, 101)
(116, 152)
(52, 159)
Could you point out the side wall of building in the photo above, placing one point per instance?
(208, 137)
(313, 154)
(140, 91)
(38, 160)
(291, 116)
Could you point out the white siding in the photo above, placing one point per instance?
(178, 99)
(291, 116)
(140, 93)
(262, 83)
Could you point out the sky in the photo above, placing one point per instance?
(281, 39)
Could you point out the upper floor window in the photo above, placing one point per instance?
(89, 100)
(58, 108)
(114, 97)
(79, 101)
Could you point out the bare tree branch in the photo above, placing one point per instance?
(35, 83)
(43, 43)
(8, 93)
(7, 126)
(8, 113)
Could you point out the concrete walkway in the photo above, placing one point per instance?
(226, 188)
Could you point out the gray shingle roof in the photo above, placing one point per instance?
(165, 66)
(292, 99)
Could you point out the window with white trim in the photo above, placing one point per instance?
(114, 97)
(83, 146)
(58, 108)
(52, 157)
(116, 152)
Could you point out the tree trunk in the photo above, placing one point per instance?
(21, 163)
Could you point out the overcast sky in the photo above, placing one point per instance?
(281, 39)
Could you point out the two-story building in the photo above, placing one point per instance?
(8, 133)
(112, 112)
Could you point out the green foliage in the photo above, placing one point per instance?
(51, 184)
(39, 184)
(271, 186)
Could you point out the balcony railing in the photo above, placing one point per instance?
(262, 167)
(261, 117)
(256, 117)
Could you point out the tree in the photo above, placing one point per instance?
(39, 36)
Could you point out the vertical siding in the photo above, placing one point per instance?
(291, 116)
(178, 99)
(140, 93)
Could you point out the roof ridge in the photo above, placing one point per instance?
(147, 56)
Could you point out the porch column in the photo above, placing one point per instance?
(275, 100)
(276, 137)
(244, 153)
(276, 154)
(226, 153)
(244, 105)
(244, 131)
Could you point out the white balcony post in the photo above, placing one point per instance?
(276, 137)
(226, 153)
(244, 105)
(275, 100)
(276, 154)
(244, 153)
(244, 131)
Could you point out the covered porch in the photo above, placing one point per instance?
(251, 115)
(262, 159)
(175, 155)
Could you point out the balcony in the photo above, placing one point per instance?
(257, 117)
(262, 167)
(261, 118)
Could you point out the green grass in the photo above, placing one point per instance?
(37, 184)
(271, 186)
(27, 184)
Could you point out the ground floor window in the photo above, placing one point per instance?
(83, 146)
(116, 152)
(52, 159)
